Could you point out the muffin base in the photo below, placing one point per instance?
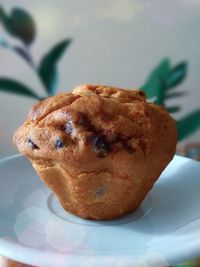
(98, 196)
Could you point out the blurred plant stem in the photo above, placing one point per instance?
(20, 24)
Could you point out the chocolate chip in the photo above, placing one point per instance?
(100, 144)
(142, 93)
(128, 147)
(68, 127)
(59, 144)
(32, 144)
(100, 191)
(83, 120)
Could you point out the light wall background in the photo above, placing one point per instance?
(115, 42)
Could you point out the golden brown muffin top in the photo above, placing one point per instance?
(92, 121)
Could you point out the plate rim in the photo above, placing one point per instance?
(8, 248)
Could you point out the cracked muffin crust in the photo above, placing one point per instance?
(100, 149)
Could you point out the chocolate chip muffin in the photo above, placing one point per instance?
(100, 149)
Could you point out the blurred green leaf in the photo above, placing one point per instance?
(188, 124)
(154, 82)
(2, 14)
(161, 93)
(176, 75)
(19, 24)
(48, 66)
(173, 109)
(160, 98)
(191, 263)
(23, 53)
(13, 86)
(19, 50)
(174, 95)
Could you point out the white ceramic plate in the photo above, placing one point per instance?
(34, 229)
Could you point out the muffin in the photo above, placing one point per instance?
(100, 149)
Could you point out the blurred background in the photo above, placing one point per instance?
(114, 42)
